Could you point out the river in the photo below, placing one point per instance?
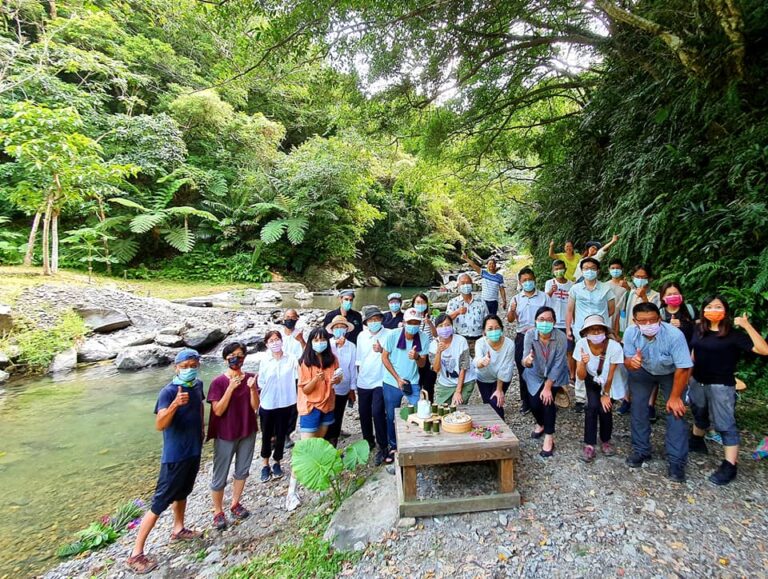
(74, 448)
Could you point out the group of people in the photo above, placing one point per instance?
(616, 341)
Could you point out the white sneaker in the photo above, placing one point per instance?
(292, 500)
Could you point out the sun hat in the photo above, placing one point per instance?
(370, 311)
(591, 321)
(394, 296)
(339, 320)
(347, 292)
(412, 314)
(186, 354)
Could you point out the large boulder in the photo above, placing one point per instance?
(64, 362)
(5, 360)
(320, 277)
(169, 340)
(202, 338)
(6, 318)
(249, 337)
(251, 297)
(284, 287)
(97, 349)
(138, 357)
(133, 337)
(367, 515)
(103, 320)
(4, 376)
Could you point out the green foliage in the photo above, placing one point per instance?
(38, 346)
(206, 266)
(102, 533)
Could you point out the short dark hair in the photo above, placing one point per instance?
(441, 318)
(311, 358)
(590, 260)
(725, 326)
(646, 268)
(271, 333)
(493, 317)
(647, 307)
(231, 347)
(420, 295)
(545, 309)
(526, 271)
(616, 261)
(558, 262)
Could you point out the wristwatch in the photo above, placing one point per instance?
(608, 394)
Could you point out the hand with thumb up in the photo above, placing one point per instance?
(413, 354)
(528, 361)
(182, 398)
(485, 360)
(636, 361)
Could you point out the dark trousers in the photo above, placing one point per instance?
(427, 379)
(294, 419)
(334, 430)
(373, 417)
(274, 423)
(486, 390)
(493, 306)
(519, 338)
(544, 414)
(595, 414)
(641, 385)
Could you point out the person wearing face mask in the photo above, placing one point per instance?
(370, 380)
(676, 311)
(640, 292)
(492, 284)
(346, 297)
(718, 343)
(595, 250)
(427, 376)
(404, 352)
(522, 309)
(466, 312)
(234, 398)
(546, 370)
(393, 319)
(600, 363)
(557, 290)
(569, 257)
(292, 335)
(346, 390)
(618, 285)
(277, 382)
(495, 362)
(656, 355)
(450, 359)
(180, 417)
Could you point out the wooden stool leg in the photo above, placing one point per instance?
(506, 475)
(409, 483)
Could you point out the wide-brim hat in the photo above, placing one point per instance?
(371, 311)
(591, 322)
(339, 320)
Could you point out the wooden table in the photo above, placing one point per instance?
(417, 448)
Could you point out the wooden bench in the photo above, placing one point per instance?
(417, 448)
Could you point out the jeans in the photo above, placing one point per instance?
(713, 404)
(373, 417)
(334, 430)
(275, 423)
(544, 414)
(595, 414)
(486, 390)
(393, 397)
(493, 306)
(519, 339)
(641, 385)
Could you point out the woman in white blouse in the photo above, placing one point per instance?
(495, 361)
(346, 390)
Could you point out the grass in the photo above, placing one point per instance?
(752, 413)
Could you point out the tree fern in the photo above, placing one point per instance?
(179, 238)
(147, 221)
(273, 230)
(296, 228)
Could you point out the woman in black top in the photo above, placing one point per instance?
(675, 311)
(717, 346)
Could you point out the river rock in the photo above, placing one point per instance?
(201, 338)
(367, 515)
(284, 287)
(138, 357)
(103, 320)
(4, 376)
(5, 360)
(174, 328)
(169, 340)
(323, 276)
(97, 349)
(64, 362)
(303, 296)
(6, 318)
(133, 337)
(373, 281)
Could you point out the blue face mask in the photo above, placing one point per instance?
(494, 335)
(319, 347)
(187, 374)
(616, 273)
(374, 327)
(589, 274)
(411, 329)
(639, 282)
(394, 307)
(545, 327)
(421, 308)
(529, 285)
(346, 305)
(339, 332)
(465, 288)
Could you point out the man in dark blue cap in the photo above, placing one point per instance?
(393, 319)
(179, 412)
(346, 297)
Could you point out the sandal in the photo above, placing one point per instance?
(239, 511)
(536, 435)
(390, 458)
(141, 564)
(186, 535)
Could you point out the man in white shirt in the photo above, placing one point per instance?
(292, 332)
(467, 312)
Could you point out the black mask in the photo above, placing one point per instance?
(290, 324)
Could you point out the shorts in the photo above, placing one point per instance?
(714, 405)
(175, 483)
(223, 453)
(314, 420)
(444, 394)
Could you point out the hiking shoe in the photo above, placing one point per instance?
(141, 564)
(588, 454)
(240, 512)
(266, 473)
(723, 475)
(379, 458)
(624, 408)
(277, 470)
(608, 449)
(697, 444)
(636, 460)
(219, 521)
(652, 414)
(714, 437)
(578, 408)
(676, 473)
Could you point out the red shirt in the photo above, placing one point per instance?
(239, 419)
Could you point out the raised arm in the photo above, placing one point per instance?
(552, 254)
(472, 263)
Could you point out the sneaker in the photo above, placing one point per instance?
(219, 521)
(636, 460)
(624, 408)
(266, 473)
(608, 449)
(652, 414)
(676, 473)
(588, 454)
(578, 408)
(723, 475)
(239, 512)
(697, 444)
(714, 437)
(277, 470)
(379, 458)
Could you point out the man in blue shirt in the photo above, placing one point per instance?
(179, 412)
(656, 353)
(492, 284)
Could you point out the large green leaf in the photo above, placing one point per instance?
(356, 454)
(296, 229)
(273, 230)
(192, 211)
(147, 221)
(179, 238)
(314, 461)
(128, 203)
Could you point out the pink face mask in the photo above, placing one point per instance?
(276, 346)
(674, 300)
(596, 338)
(649, 330)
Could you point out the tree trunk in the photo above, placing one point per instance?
(732, 22)
(32, 238)
(52, 12)
(55, 243)
(102, 218)
(46, 243)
